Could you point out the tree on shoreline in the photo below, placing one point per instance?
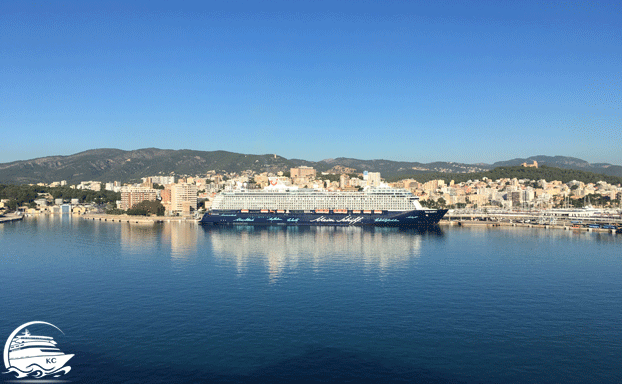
(144, 208)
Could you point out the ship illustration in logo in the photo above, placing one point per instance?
(27, 355)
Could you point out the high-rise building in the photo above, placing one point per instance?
(183, 198)
(515, 198)
(373, 179)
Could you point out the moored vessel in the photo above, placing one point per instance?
(287, 205)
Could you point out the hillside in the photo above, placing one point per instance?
(565, 162)
(395, 168)
(108, 164)
(115, 164)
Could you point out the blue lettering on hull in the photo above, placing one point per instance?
(386, 218)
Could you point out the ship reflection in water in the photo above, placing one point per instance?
(280, 248)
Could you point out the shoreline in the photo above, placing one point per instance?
(151, 220)
(468, 223)
(11, 218)
(138, 219)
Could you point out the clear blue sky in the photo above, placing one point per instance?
(401, 80)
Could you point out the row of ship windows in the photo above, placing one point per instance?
(316, 205)
(284, 198)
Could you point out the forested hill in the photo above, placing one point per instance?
(114, 164)
(565, 162)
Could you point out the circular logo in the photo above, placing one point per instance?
(28, 355)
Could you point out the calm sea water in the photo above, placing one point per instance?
(183, 303)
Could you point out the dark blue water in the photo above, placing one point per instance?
(182, 303)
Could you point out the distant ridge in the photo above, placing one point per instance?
(108, 164)
(565, 162)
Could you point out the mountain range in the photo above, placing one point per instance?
(115, 164)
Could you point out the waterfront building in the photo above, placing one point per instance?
(65, 208)
(183, 198)
(41, 202)
(79, 210)
(131, 196)
(165, 195)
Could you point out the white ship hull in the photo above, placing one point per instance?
(49, 363)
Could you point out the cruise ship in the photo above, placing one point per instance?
(27, 351)
(279, 204)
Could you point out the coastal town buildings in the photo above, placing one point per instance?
(193, 192)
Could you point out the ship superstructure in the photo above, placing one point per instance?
(389, 199)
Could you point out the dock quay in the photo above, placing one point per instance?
(149, 220)
(10, 217)
(610, 223)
